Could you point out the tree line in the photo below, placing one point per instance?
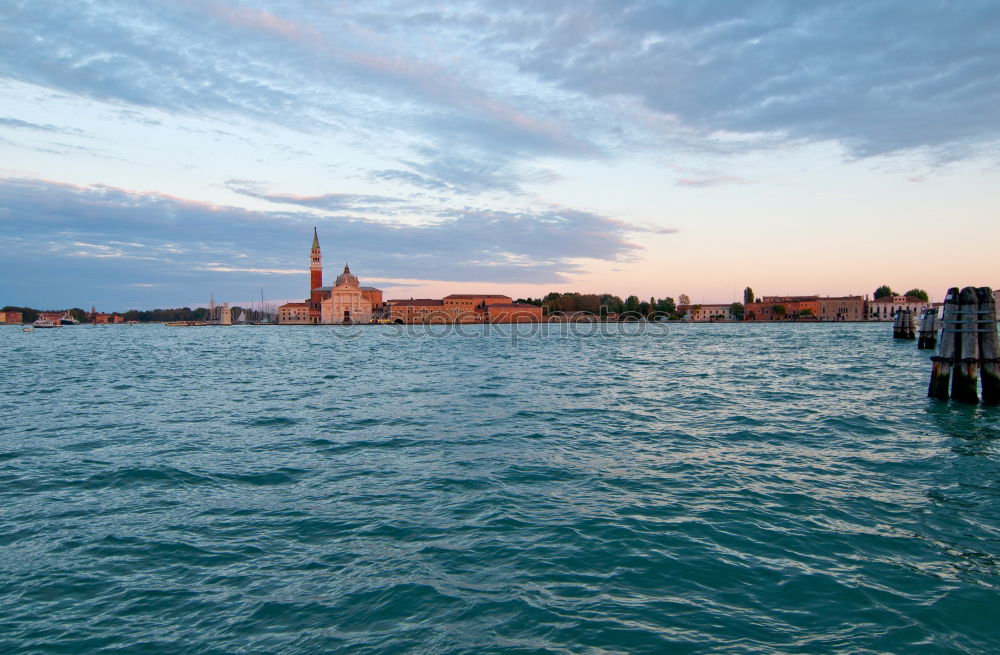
(606, 303)
(29, 314)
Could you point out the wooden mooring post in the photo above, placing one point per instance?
(927, 338)
(903, 327)
(989, 353)
(968, 341)
(943, 360)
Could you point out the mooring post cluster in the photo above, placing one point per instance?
(903, 327)
(929, 326)
(968, 346)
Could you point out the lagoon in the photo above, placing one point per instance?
(724, 488)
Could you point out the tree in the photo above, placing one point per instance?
(918, 293)
(613, 303)
(883, 291)
(780, 311)
(78, 314)
(632, 304)
(806, 312)
(748, 296)
(28, 315)
(644, 308)
(737, 310)
(683, 299)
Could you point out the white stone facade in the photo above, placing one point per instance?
(885, 309)
(347, 303)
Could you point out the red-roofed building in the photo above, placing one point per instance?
(513, 312)
(420, 310)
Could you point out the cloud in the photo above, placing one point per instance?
(705, 182)
(474, 92)
(329, 202)
(80, 238)
(876, 77)
(7, 121)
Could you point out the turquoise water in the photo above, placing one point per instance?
(711, 489)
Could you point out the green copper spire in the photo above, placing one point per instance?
(315, 240)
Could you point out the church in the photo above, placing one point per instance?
(344, 303)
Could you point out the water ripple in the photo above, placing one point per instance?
(719, 489)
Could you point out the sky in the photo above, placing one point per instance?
(155, 153)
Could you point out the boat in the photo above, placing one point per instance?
(68, 319)
(27, 328)
(44, 323)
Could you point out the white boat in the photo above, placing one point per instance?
(27, 328)
(44, 323)
(67, 319)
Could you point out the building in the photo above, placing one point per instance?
(783, 308)
(422, 310)
(708, 313)
(101, 319)
(346, 301)
(886, 307)
(473, 301)
(463, 308)
(11, 317)
(294, 313)
(842, 308)
(512, 312)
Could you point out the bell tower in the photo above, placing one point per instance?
(315, 271)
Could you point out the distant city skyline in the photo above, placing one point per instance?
(154, 153)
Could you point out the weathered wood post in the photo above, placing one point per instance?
(927, 339)
(945, 357)
(965, 378)
(902, 327)
(989, 354)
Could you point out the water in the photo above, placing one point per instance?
(717, 489)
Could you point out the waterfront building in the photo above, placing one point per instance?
(473, 301)
(11, 317)
(708, 313)
(780, 308)
(820, 308)
(421, 310)
(294, 313)
(101, 319)
(886, 307)
(463, 308)
(346, 301)
(512, 312)
(842, 308)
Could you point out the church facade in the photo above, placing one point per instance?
(346, 302)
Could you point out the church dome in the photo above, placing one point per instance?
(347, 278)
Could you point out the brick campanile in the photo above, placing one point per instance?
(315, 271)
